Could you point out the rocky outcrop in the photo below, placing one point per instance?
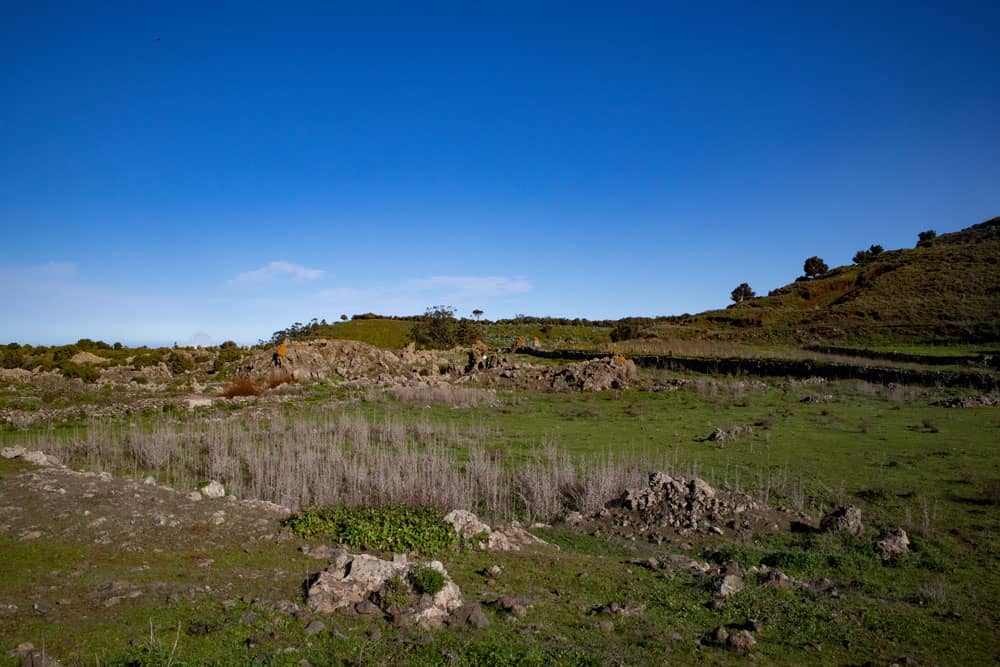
(364, 584)
(684, 503)
(893, 544)
(511, 538)
(844, 520)
(981, 401)
(721, 435)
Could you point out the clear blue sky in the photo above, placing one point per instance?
(224, 170)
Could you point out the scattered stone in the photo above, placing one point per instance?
(36, 457)
(24, 647)
(352, 579)
(981, 401)
(494, 571)
(466, 524)
(740, 641)
(469, 527)
(367, 608)
(574, 519)
(30, 535)
(727, 584)
(12, 452)
(722, 435)
(844, 519)
(320, 552)
(213, 490)
(893, 544)
(818, 398)
(194, 495)
(470, 614)
(681, 503)
(38, 659)
(315, 627)
(778, 579)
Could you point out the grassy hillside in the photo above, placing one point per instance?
(384, 333)
(947, 291)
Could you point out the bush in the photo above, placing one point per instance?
(178, 363)
(865, 256)
(387, 529)
(742, 293)
(625, 331)
(926, 238)
(85, 372)
(427, 580)
(241, 387)
(814, 266)
(12, 359)
(147, 358)
(438, 328)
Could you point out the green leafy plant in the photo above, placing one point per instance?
(389, 529)
(427, 580)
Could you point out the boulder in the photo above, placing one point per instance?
(213, 490)
(844, 519)
(352, 580)
(727, 584)
(36, 457)
(12, 452)
(469, 527)
(466, 524)
(740, 641)
(893, 544)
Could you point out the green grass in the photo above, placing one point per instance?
(870, 446)
(387, 334)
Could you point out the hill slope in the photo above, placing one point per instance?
(946, 291)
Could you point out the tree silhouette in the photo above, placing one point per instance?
(814, 266)
(741, 293)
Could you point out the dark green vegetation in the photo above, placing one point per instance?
(388, 529)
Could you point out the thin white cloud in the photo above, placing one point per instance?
(47, 272)
(277, 269)
(463, 288)
(408, 296)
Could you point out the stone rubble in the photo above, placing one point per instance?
(356, 582)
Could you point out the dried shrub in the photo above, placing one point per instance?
(278, 378)
(241, 387)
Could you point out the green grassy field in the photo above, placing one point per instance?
(934, 471)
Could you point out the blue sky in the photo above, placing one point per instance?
(222, 170)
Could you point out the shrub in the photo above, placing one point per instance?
(926, 238)
(388, 529)
(278, 378)
(865, 256)
(814, 266)
(178, 363)
(11, 359)
(427, 580)
(625, 331)
(241, 387)
(742, 293)
(85, 372)
(437, 329)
